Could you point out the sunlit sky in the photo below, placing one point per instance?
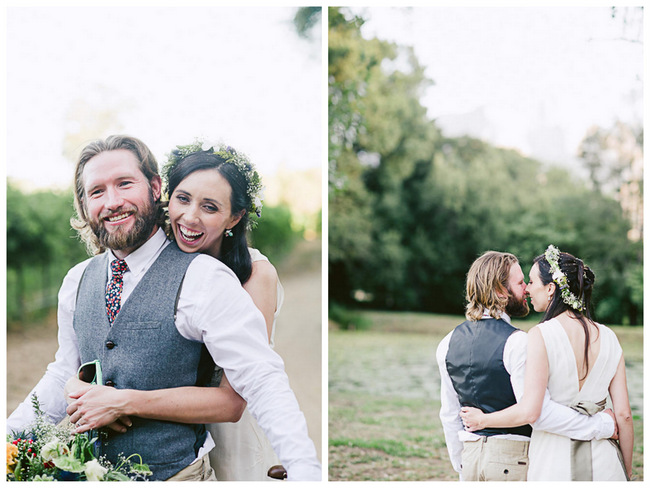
(530, 78)
(165, 75)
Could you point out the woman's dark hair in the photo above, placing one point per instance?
(581, 282)
(234, 250)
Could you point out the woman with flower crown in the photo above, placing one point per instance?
(213, 190)
(580, 362)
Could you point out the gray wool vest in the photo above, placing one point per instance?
(143, 350)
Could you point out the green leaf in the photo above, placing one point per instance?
(17, 470)
(116, 476)
(69, 463)
(141, 469)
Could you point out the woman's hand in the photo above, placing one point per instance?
(95, 406)
(73, 384)
(473, 418)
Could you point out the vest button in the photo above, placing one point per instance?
(110, 345)
(109, 383)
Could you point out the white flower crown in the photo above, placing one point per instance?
(254, 188)
(552, 255)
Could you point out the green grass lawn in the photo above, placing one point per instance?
(384, 397)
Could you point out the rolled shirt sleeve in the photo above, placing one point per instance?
(213, 308)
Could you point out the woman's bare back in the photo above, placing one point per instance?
(576, 335)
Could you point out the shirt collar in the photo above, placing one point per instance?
(139, 259)
(503, 316)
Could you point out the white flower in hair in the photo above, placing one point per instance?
(552, 255)
(229, 155)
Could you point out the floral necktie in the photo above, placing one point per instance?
(114, 289)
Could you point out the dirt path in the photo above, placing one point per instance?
(298, 341)
(28, 354)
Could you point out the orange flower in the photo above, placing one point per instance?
(12, 454)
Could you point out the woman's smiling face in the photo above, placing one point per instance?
(200, 212)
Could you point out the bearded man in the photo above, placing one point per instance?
(482, 364)
(148, 312)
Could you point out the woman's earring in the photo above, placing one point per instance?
(549, 298)
(228, 233)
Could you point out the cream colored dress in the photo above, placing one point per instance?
(550, 454)
(242, 452)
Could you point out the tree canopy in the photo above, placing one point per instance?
(410, 209)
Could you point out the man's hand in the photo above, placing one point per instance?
(611, 414)
(95, 406)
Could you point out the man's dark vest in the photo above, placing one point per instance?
(143, 350)
(475, 365)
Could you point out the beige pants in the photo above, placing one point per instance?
(493, 459)
(198, 471)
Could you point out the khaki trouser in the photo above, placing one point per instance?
(198, 471)
(494, 459)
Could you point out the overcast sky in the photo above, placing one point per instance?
(165, 75)
(530, 78)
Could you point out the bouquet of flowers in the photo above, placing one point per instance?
(48, 452)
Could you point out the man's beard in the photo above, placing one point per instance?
(516, 307)
(119, 240)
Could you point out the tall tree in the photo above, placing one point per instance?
(409, 209)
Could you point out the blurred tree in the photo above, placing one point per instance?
(409, 210)
(23, 240)
(614, 159)
(591, 152)
(306, 19)
(41, 247)
(352, 64)
(300, 191)
(377, 128)
(274, 235)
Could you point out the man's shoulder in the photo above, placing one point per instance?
(518, 336)
(483, 322)
(209, 261)
(204, 264)
(488, 325)
(76, 272)
(500, 324)
(443, 345)
(68, 290)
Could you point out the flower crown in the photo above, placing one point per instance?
(254, 188)
(552, 255)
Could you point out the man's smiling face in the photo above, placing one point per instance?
(119, 201)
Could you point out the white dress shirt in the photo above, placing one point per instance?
(214, 309)
(554, 417)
